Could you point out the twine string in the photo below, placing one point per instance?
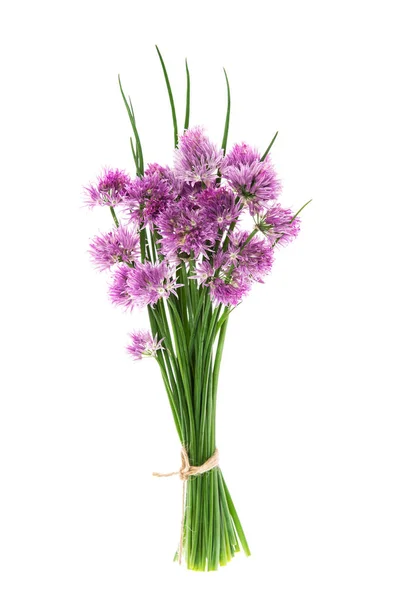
(184, 473)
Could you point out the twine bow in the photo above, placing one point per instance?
(184, 473)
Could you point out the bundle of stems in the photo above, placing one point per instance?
(193, 330)
(194, 334)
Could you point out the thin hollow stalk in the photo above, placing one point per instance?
(115, 219)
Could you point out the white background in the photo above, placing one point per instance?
(309, 423)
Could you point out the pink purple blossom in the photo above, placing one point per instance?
(145, 284)
(240, 154)
(143, 344)
(196, 159)
(119, 245)
(120, 288)
(109, 190)
(203, 272)
(255, 181)
(230, 291)
(279, 225)
(153, 281)
(253, 258)
(219, 206)
(149, 196)
(184, 228)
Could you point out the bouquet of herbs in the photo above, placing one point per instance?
(188, 243)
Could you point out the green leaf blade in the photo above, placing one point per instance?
(170, 94)
(138, 156)
(187, 117)
(264, 156)
(227, 120)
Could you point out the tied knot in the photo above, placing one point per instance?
(188, 470)
(184, 473)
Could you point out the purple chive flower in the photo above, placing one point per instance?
(145, 284)
(150, 195)
(219, 206)
(185, 229)
(221, 259)
(253, 259)
(240, 154)
(119, 291)
(166, 174)
(109, 190)
(279, 225)
(119, 245)
(253, 180)
(231, 291)
(190, 190)
(150, 282)
(203, 272)
(196, 159)
(143, 344)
